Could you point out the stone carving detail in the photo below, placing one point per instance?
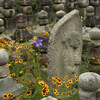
(65, 47)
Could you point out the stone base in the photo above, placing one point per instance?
(8, 85)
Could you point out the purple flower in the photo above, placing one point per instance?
(41, 3)
(38, 42)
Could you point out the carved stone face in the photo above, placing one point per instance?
(8, 4)
(95, 2)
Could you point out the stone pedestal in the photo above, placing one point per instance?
(89, 83)
(7, 84)
(21, 33)
(1, 26)
(25, 8)
(8, 12)
(10, 25)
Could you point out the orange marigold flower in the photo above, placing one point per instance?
(37, 25)
(76, 79)
(28, 28)
(20, 61)
(44, 91)
(70, 81)
(59, 84)
(27, 70)
(5, 96)
(67, 85)
(28, 52)
(18, 56)
(28, 92)
(17, 80)
(17, 50)
(10, 95)
(54, 90)
(24, 63)
(21, 53)
(38, 77)
(12, 53)
(69, 92)
(64, 93)
(57, 93)
(40, 32)
(9, 64)
(42, 66)
(93, 57)
(46, 63)
(66, 77)
(33, 60)
(23, 80)
(13, 74)
(47, 34)
(25, 47)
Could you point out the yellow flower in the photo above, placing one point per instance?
(24, 63)
(9, 64)
(28, 28)
(33, 60)
(47, 34)
(69, 92)
(21, 53)
(18, 56)
(40, 32)
(25, 47)
(21, 72)
(38, 77)
(37, 25)
(13, 74)
(20, 61)
(23, 80)
(76, 79)
(42, 66)
(28, 52)
(93, 57)
(70, 81)
(17, 50)
(10, 95)
(67, 85)
(5, 96)
(46, 63)
(17, 80)
(28, 92)
(30, 81)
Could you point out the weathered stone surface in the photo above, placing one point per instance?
(25, 9)
(1, 22)
(83, 3)
(3, 57)
(8, 4)
(8, 85)
(24, 2)
(2, 29)
(86, 33)
(95, 33)
(60, 13)
(4, 71)
(10, 25)
(49, 98)
(86, 95)
(58, 7)
(20, 18)
(89, 81)
(90, 9)
(95, 2)
(42, 14)
(65, 47)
